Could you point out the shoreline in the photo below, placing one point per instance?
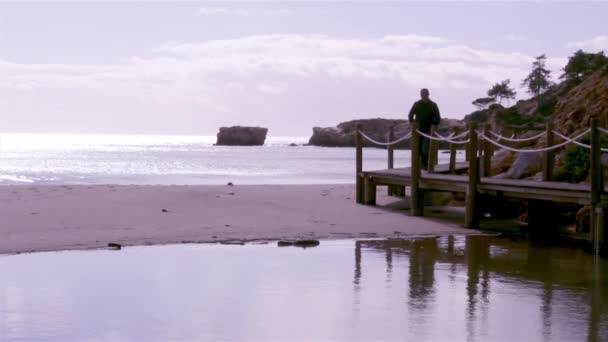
(39, 218)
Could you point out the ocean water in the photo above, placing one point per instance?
(449, 288)
(148, 159)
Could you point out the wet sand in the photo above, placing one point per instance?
(45, 218)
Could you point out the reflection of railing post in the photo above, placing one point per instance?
(548, 157)
(359, 166)
(471, 216)
(416, 198)
(453, 153)
(596, 178)
(391, 154)
(432, 150)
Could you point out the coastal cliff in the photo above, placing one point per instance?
(241, 136)
(571, 108)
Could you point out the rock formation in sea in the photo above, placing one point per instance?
(241, 136)
(344, 134)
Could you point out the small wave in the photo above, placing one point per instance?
(15, 179)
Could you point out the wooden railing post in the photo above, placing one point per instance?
(391, 154)
(471, 219)
(488, 151)
(596, 180)
(548, 159)
(432, 151)
(359, 165)
(416, 197)
(453, 153)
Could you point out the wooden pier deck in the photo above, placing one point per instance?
(441, 180)
(473, 179)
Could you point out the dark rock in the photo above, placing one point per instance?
(526, 165)
(298, 243)
(502, 161)
(230, 184)
(165, 211)
(242, 136)
(306, 243)
(114, 246)
(293, 144)
(232, 242)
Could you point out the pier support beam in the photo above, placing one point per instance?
(417, 203)
(370, 191)
(488, 151)
(391, 156)
(359, 166)
(433, 151)
(548, 159)
(453, 154)
(471, 219)
(597, 185)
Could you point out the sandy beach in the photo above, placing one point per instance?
(48, 218)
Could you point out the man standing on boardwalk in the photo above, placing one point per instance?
(426, 114)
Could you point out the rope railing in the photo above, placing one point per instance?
(587, 146)
(512, 139)
(603, 130)
(447, 139)
(544, 149)
(452, 136)
(372, 140)
(453, 139)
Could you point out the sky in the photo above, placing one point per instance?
(191, 67)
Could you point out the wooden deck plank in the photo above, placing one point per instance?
(535, 184)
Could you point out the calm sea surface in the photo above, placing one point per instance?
(133, 159)
(451, 288)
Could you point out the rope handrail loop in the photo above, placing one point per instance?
(448, 139)
(501, 137)
(372, 140)
(452, 136)
(565, 138)
(545, 149)
(577, 142)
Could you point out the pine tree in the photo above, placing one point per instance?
(501, 91)
(538, 81)
(483, 102)
(582, 64)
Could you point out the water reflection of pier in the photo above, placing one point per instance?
(488, 258)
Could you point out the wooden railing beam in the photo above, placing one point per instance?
(359, 166)
(391, 155)
(548, 159)
(472, 211)
(453, 153)
(416, 192)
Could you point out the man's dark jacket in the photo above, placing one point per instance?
(426, 114)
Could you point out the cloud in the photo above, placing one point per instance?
(217, 11)
(278, 79)
(598, 43)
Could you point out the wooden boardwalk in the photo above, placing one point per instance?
(472, 178)
(441, 180)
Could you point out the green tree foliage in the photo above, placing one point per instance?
(483, 102)
(501, 91)
(539, 78)
(576, 165)
(582, 64)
